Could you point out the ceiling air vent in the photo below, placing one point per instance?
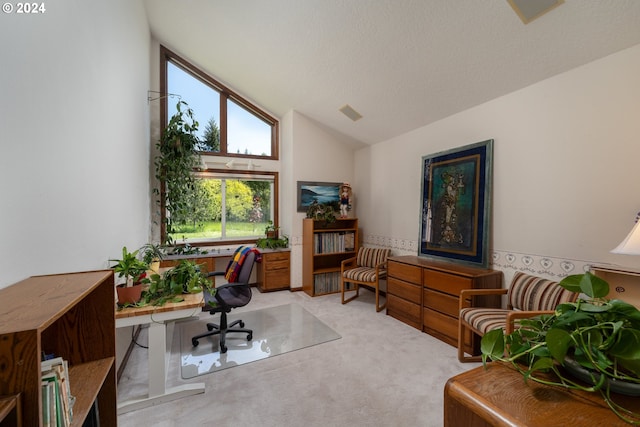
(528, 10)
(348, 111)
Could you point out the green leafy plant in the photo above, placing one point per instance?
(130, 267)
(598, 336)
(185, 277)
(323, 212)
(177, 158)
(272, 241)
(152, 252)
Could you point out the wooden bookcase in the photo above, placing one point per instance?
(72, 316)
(324, 247)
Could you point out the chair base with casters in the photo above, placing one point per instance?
(227, 297)
(366, 269)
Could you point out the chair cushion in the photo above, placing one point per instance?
(370, 257)
(535, 293)
(485, 319)
(363, 274)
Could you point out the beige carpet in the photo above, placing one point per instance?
(380, 373)
(276, 330)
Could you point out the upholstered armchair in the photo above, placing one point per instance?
(527, 296)
(367, 268)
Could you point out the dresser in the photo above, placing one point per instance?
(425, 294)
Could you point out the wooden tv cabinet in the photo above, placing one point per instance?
(425, 294)
(498, 396)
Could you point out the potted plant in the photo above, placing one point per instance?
(272, 241)
(152, 254)
(591, 345)
(177, 157)
(185, 277)
(134, 271)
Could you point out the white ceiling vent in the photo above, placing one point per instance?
(348, 111)
(528, 10)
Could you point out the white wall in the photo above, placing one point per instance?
(316, 156)
(74, 149)
(565, 165)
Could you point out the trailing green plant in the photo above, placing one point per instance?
(186, 277)
(272, 241)
(323, 212)
(187, 249)
(130, 266)
(175, 163)
(600, 335)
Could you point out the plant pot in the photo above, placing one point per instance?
(617, 386)
(129, 295)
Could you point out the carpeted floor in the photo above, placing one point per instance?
(276, 330)
(380, 373)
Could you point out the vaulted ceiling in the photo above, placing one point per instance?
(402, 64)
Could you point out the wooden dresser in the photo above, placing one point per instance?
(425, 294)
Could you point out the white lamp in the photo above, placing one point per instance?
(631, 244)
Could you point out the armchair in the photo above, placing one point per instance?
(527, 296)
(236, 293)
(367, 268)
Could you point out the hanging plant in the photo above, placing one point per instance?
(175, 163)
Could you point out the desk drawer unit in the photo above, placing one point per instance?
(404, 293)
(274, 272)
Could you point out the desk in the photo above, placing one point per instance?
(161, 321)
(498, 396)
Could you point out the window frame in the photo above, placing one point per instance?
(166, 56)
(226, 94)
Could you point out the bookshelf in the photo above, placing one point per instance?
(324, 247)
(69, 315)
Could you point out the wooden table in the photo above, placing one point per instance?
(161, 322)
(498, 396)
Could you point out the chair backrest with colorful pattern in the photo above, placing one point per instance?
(370, 257)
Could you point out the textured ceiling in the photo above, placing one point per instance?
(402, 64)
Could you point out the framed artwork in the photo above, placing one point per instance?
(321, 192)
(455, 208)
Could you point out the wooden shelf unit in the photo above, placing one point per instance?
(322, 253)
(69, 315)
(425, 294)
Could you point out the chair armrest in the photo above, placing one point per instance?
(216, 273)
(349, 262)
(466, 294)
(517, 314)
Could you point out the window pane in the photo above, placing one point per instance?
(202, 99)
(247, 133)
(226, 209)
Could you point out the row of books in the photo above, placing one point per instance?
(326, 282)
(57, 401)
(343, 241)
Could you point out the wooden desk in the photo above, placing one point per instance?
(498, 396)
(161, 321)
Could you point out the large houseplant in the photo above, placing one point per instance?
(595, 340)
(133, 270)
(177, 157)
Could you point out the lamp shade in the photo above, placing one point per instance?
(631, 244)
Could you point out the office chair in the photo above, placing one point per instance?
(236, 293)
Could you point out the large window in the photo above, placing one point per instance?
(228, 124)
(225, 205)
